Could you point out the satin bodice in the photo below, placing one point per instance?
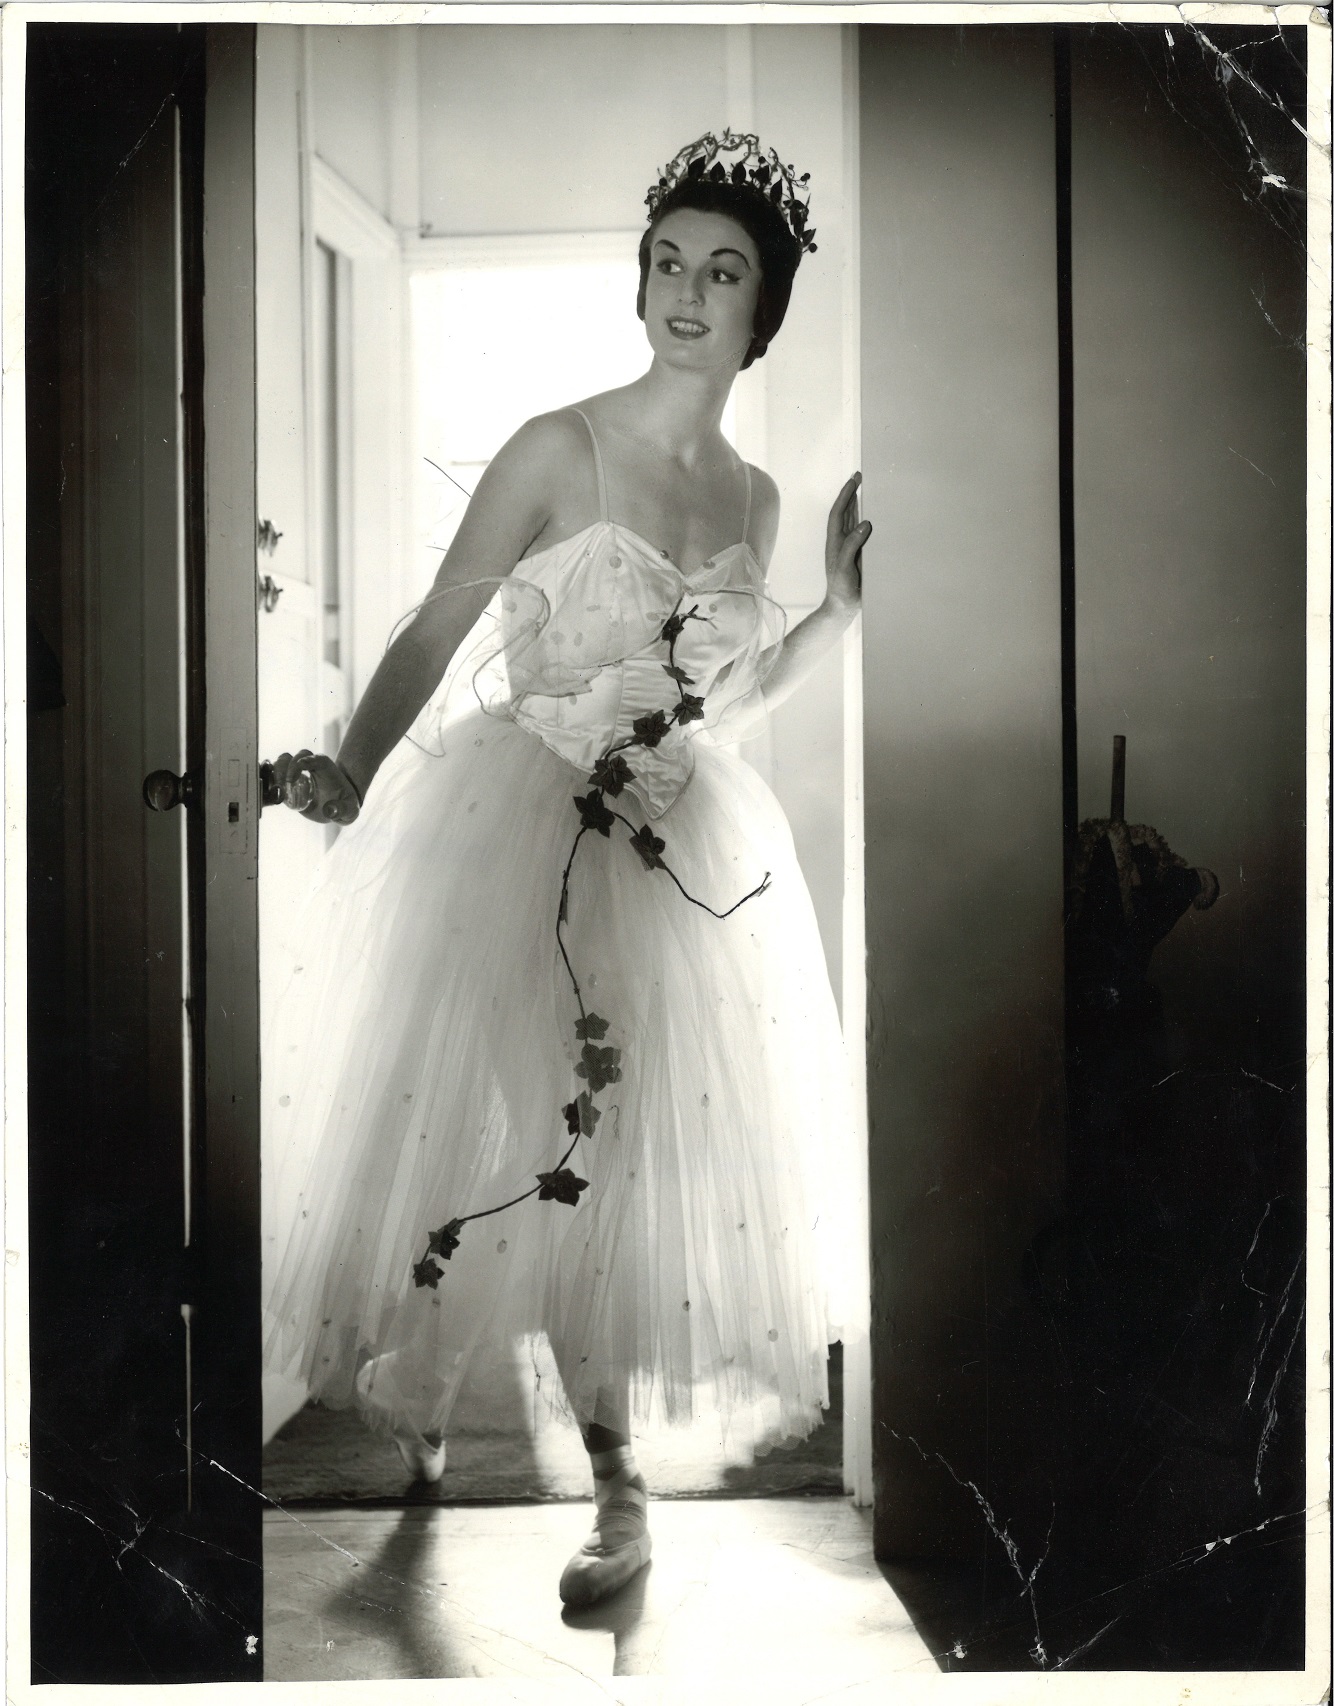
(594, 659)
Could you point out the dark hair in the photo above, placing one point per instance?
(768, 230)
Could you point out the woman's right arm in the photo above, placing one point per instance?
(509, 510)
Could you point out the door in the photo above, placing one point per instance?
(329, 479)
(142, 1042)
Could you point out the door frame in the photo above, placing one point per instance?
(226, 1205)
(857, 1370)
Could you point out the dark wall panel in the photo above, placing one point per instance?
(1087, 1196)
(962, 743)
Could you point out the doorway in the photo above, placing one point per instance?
(425, 339)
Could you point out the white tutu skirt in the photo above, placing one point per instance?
(422, 1054)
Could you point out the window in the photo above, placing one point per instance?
(332, 477)
(499, 337)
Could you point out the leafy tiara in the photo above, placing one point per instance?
(756, 168)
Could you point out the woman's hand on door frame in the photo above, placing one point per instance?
(844, 539)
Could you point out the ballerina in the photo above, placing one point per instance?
(566, 918)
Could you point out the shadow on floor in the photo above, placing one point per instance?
(736, 1587)
(391, 1603)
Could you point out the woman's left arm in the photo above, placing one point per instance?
(814, 634)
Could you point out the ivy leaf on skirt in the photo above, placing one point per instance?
(560, 1186)
(611, 774)
(650, 848)
(650, 729)
(581, 1117)
(598, 1066)
(427, 1272)
(445, 1240)
(593, 814)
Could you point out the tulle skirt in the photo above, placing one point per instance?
(423, 1051)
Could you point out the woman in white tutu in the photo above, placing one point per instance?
(558, 1051)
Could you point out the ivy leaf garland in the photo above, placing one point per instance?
(560, 1186)
(649, 847)
(445, 1240)
(581, 1115)
(593, 813)
(600, 1066)
(442, 1242)
(610, 775)
(597, 1066)
(650, 729)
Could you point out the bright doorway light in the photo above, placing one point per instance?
(497, 343)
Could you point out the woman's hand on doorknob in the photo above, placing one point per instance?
(316, 786)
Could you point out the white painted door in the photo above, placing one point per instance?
(329, 562)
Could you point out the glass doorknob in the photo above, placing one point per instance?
(298, 793)
(164, 789)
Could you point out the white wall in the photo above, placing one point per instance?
(558, 127)
(798, 108)
(351, 84)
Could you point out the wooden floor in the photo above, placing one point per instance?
(327, 1457)
(509, 1438)
(737, 1589)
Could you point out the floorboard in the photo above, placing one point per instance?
(737, 1589)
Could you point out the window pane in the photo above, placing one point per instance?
(496, 345)
(328, 471)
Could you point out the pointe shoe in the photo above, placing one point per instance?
(613, 1552)
(423, 1455)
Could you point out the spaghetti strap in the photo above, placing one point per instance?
(745, 525)
(602, 478)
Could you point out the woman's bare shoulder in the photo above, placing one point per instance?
(544, 442)
(764, 493)
(530, 474)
